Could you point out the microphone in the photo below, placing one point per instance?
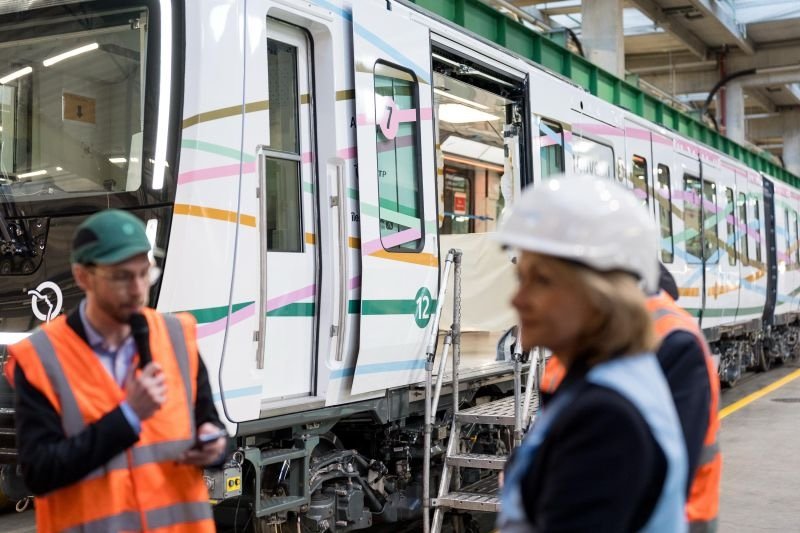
(141, 336)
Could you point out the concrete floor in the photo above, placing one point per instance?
(761, 466)
(761, 471)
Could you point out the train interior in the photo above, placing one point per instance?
(475, 181)
(71, 108)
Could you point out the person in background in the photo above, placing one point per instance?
(685, 359)
(607, 453)
(107, 440)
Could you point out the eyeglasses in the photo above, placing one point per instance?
(123, 278)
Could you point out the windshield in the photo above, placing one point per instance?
(74, 100)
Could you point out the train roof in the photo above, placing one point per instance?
(494, 26)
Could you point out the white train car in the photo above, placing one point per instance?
(302, 167)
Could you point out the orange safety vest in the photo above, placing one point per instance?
(702, 506)
(142, 488)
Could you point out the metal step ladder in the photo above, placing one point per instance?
(514, 411)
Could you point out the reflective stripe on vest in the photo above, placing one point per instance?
(640, 380)
(709, 526)
(175, 332)
(178, 513)
(71, 417)
(127, 521)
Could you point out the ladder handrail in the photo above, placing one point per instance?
(430, 400)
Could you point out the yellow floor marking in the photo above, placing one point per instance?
(732, 408)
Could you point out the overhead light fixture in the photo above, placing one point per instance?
(473, 150)
(117, 160)
(32, 174)
(442, 92)
(14, 75)
(50, 61)
(461, 114)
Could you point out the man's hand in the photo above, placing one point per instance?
(147, 391)
(210, 453)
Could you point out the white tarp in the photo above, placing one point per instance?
(488, 282)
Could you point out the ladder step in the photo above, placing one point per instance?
(499, 412)
(478, 460)
(470, 501)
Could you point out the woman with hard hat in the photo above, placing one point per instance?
(607, 453)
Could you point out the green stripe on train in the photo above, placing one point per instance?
(212, 314)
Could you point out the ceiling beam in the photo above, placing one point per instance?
(711, 8)
(758, 96)
(673, 25)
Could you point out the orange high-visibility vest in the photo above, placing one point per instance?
(143, 488)
(702, 506)
(554, 373)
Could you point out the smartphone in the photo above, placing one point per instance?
(202, 440)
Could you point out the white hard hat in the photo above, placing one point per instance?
(587, 219)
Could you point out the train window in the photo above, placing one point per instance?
(700, 247)
(397, 139)
(796, 238)
(77, 94)
(730, 236)
(551, 148)
(283, 181)
(639, 178)
(744, 250)
(283, 97)
(664, 199)
(710, 220)
(284, 214)
(591, 157)
(757, 229)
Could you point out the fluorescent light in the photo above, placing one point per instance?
(461, 114)
(13, 337)
(117, 160)
(473, 150)
(164, 96)
(59, 169)
(32, 174)
(460, 100)
(14, 75)
(72, 53)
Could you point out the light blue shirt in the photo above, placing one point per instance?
(116, 362)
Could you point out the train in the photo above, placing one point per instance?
(302, 168)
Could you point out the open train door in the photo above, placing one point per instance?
(397, 198)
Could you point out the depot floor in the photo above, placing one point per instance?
(761, 473)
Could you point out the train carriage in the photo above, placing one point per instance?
(303, 168)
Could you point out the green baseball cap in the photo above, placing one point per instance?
(109, 237)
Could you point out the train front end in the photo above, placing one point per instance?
(88, 111)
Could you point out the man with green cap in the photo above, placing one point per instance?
(114, 410)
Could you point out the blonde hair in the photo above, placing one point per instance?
(620, 323)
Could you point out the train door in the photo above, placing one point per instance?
(399, 279)
(279, 83)
(692, 242)
(770, 230)
(721, 274)
(481, 139)
(663, 198)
